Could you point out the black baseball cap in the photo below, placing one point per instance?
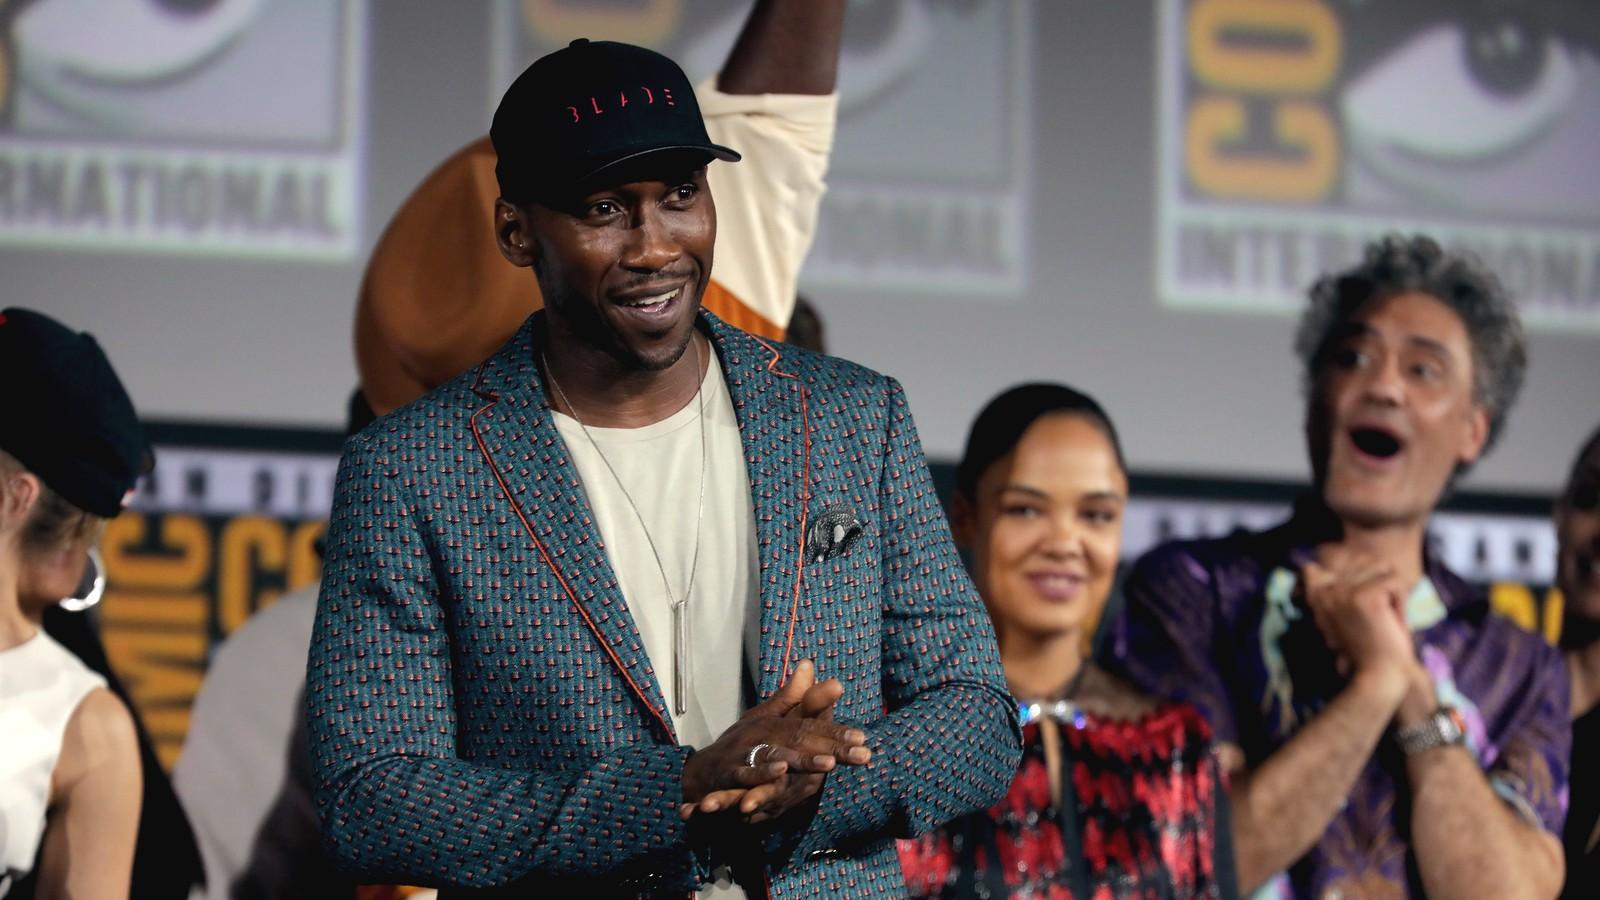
(588, 108)
(65, 415)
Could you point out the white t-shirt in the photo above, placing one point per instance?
(660, 466)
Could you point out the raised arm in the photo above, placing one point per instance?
(774, 103)
(786, 47)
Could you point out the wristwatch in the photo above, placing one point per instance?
(1444, 727)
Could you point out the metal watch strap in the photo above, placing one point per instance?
(1442, 728)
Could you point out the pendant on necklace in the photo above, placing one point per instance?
(680, 659)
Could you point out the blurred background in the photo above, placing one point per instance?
(1129, 197)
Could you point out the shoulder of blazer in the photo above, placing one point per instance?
(820, 373)
(450, 406)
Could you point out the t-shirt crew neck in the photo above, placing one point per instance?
(660, 466)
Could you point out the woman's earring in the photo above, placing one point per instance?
(91, 588)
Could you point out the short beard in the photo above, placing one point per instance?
(654, 366)
(582, 321)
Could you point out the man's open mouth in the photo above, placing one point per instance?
(1376, 442)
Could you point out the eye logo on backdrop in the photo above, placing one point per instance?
(918, 199)
(1294, 131)
(194, 126)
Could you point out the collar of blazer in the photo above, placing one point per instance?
(529, 463)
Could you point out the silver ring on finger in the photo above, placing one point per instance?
(750, 758)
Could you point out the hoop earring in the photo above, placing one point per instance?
(94, 577)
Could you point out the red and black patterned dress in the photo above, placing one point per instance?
(1145, 815)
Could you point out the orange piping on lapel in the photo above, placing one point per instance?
(776, 358)
(549, 561)
(487, 395)
(805, 506)
(805, 499)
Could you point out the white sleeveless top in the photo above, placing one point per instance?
(41, 685)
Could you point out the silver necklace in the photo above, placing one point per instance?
(679, 604)
(1062, 708)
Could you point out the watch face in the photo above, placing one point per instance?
(1450, 726)
(1444, 728)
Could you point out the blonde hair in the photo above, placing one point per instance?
(55, 522)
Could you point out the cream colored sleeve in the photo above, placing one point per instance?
(767, 202)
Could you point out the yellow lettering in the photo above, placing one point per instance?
(167, 727)
(305, 566)
(248, 543)
(1296, 46)
(1515, 602)
(154, 611)
(1554, 609)
(183, 562)
(1307, 172)
(161, 667)
(157, 643)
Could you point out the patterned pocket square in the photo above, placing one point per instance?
(832, 533)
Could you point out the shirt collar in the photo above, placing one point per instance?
(1312, 523)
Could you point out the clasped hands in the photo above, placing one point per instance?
(1359, 605)
(796, 744)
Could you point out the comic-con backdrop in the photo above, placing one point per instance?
(1130, 196)
(1293, 132)
(1288, 133)
(230, 519)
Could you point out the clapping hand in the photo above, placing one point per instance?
(1358, 604)
(792, 740)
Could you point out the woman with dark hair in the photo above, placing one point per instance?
(70, 451)
(1118, 794)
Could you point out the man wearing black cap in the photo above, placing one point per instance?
(437, 298)
(70, 451)
(554, 585)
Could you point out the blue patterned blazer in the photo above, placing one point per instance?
(481, 709)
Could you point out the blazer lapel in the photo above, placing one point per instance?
(771, 405)
(529, 462)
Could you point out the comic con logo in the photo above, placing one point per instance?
(1458, 117)
(179, 125)
(1464, 104)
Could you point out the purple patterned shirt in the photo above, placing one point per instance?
(1215, 623)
